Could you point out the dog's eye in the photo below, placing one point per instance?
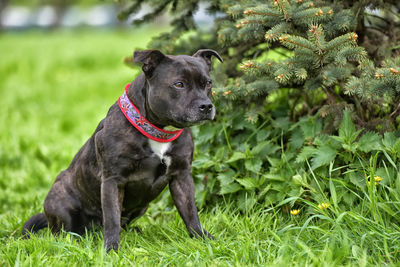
(179, 85)
(208, 84)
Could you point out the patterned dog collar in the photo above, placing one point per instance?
(146, 128)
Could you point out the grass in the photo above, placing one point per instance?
(55, 88)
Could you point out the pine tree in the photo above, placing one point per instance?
(331, 54)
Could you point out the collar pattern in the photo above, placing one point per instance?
(139, 122)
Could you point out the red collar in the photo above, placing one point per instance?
(146, 128)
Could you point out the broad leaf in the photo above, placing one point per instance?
(282, 123)
(264, 148)
(389, 140)
(356, 179)
(323, 156)
(253, 165)
(396, 147)
(248, 183)
(347, 130)
(349, 198)
(310, 128)
(236, 156)
(203, 163)
(297, 139)
(369, 141)
(305, 153)
(274, 177)
(274, 162)
(262, 135)
(206, 133)
(299, 180)
(230, 188)
(226, 177)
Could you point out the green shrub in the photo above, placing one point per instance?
(295, 166)
(307, 102)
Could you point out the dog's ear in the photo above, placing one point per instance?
(149, 58)
(206, 54)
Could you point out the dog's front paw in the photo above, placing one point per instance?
(201, 233)
(207, 234)
(111, 245)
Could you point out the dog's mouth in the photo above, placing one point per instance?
(185, 124)
(190, 121)
(188, 117)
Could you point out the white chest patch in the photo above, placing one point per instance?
(160, 149)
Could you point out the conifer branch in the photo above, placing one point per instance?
(250, 12)
(283, 7)
(295, 41)
(341, 40)
(273, 33)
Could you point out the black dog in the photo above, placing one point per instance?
(130, 158)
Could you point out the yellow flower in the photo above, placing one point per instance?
(323, 206)
(377, 179)
(294, 212)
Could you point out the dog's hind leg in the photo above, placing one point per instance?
(64, 217)
(63, 210)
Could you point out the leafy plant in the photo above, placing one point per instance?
(307, 102)
(297, 163)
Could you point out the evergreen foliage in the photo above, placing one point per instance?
(306, 97)
(340, 50)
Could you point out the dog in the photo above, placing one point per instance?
(131, 157)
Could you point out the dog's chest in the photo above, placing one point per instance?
(151, 177)
(160, 150)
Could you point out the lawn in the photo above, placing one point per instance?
(54, 89)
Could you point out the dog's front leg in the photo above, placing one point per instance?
(111, 203)
(182, 192)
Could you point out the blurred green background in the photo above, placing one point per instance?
(55, 87)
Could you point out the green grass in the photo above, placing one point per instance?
(55, 88)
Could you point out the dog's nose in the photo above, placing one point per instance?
(206, 108)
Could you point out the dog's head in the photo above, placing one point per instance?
(178, 87)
